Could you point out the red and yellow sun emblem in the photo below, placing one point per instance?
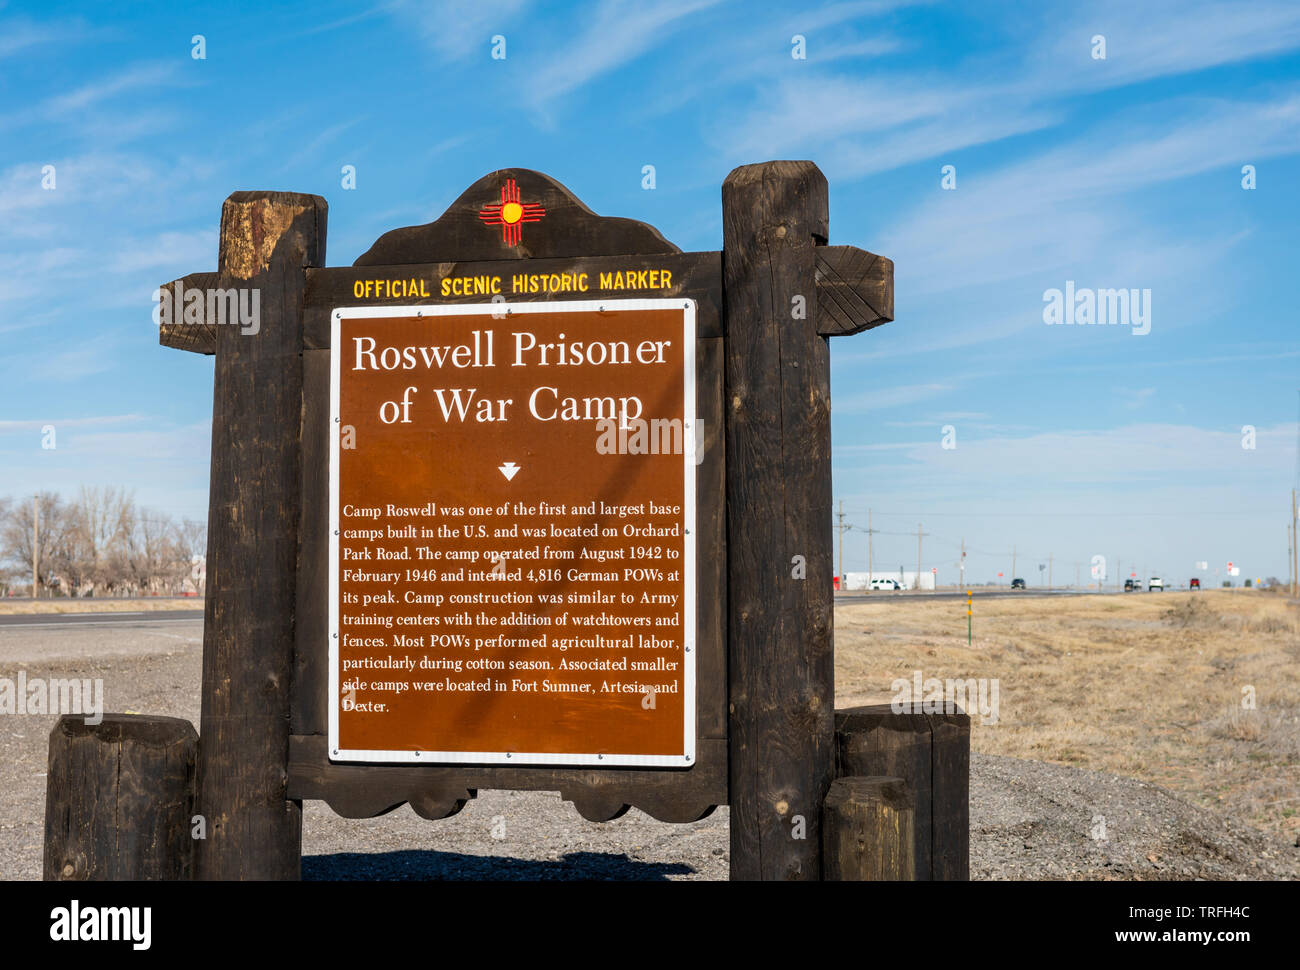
(510, 214)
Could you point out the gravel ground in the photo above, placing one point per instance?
(1035, 820)
(1029, 819)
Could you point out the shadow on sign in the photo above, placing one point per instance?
(427, 864)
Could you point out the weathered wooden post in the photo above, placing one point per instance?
(118, 798)
(931, 754)
(868, 830)
(780, 636)
(254, 831)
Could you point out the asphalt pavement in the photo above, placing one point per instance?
(93, 619)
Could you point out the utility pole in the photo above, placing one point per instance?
(841, 518)
(36, 545)
(1049, 571)
(1295, 575)
(1013, 563)
(963, 560)
(1076, 575)
(919, 533)
(871, 535)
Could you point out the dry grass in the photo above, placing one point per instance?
(1145, 685)
(10, 607)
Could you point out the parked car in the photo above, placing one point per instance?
(1132, 584)
(1195, 583)
(1156, 584)
(890, 584)
(1017, 584)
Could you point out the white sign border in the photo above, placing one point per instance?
(684, 760)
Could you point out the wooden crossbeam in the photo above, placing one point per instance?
(855, 292)
(198, 338)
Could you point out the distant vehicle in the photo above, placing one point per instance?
(890, 584)
(1132, 584)
(1156, 584)
(1195, 583)
(1017, 584)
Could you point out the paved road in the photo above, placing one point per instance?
(880, 596)
(91, 619)
(841, 599)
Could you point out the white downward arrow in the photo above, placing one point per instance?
(508, 469)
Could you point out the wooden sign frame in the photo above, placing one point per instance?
(765, 673)
(439, 790)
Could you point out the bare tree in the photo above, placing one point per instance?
(94, 552)
(17, 535)
(194, 546)
(8, 572)
(99, 543)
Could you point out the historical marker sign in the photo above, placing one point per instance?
(512, 508)
(471, 475)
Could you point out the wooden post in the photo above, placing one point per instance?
(118, 798)
(868, 830)
(253, 830)
(931, 753)
(781, 601)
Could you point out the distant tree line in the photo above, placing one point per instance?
(100, 543)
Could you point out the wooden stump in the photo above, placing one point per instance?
(931, 753)
(868, 831)
(119, 797)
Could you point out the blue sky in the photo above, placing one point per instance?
(1123, 172)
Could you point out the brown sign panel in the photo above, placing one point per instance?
(512, 508)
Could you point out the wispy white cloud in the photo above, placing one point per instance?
(133, 78)
(888, 399)
(310, 152)
(1126, 455)
(460, 29)
(86, 421)
(19, 34)
(1134, 398)
(1157, 38)
(996, 226)
(616, 34)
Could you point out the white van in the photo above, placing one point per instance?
(890, 584)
